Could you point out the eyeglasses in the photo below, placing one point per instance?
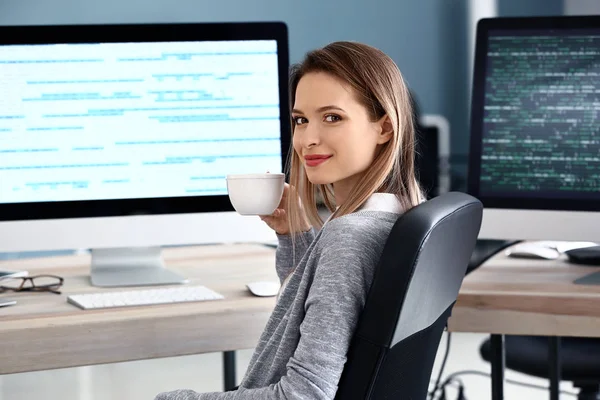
(37, 283)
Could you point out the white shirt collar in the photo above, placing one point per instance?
(382, 202)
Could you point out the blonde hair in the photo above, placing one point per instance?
(380, 88)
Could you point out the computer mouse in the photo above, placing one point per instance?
(264, 288)
(533, 250)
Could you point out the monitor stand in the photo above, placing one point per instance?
(139, 266)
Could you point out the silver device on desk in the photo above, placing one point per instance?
(118, 138)
(534, 156)
(4, 302)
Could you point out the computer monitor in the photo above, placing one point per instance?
(118, 138)
(534, 158)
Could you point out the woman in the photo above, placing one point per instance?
(353, 142)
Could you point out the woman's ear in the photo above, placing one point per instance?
(386, 130)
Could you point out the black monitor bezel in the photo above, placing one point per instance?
(484, 27)
(121, 33)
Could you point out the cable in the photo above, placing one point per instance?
(439, 378)
(452, 376)
(460, 389)
(454, 381)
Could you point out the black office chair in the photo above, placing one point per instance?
(580, 360)
(415, 286)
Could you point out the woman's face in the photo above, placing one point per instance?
(333, 134)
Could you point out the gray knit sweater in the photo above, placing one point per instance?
(302, 351)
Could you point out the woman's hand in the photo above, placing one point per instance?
(278, 221)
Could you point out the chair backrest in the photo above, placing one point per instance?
(416, 283)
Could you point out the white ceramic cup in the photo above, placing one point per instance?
(255, 194)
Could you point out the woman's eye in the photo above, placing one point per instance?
(300, 120)
(332, 118)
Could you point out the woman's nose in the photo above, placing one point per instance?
(310, 137)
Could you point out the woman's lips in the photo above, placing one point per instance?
(315, 160)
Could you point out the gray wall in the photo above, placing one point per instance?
(582, 7)
(426, 38)
(519, 8)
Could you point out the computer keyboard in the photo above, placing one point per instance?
(144, 297)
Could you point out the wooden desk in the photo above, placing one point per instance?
(527, 297)
(43, 331)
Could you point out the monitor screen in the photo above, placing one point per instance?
(536, 102)
(133, 119)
